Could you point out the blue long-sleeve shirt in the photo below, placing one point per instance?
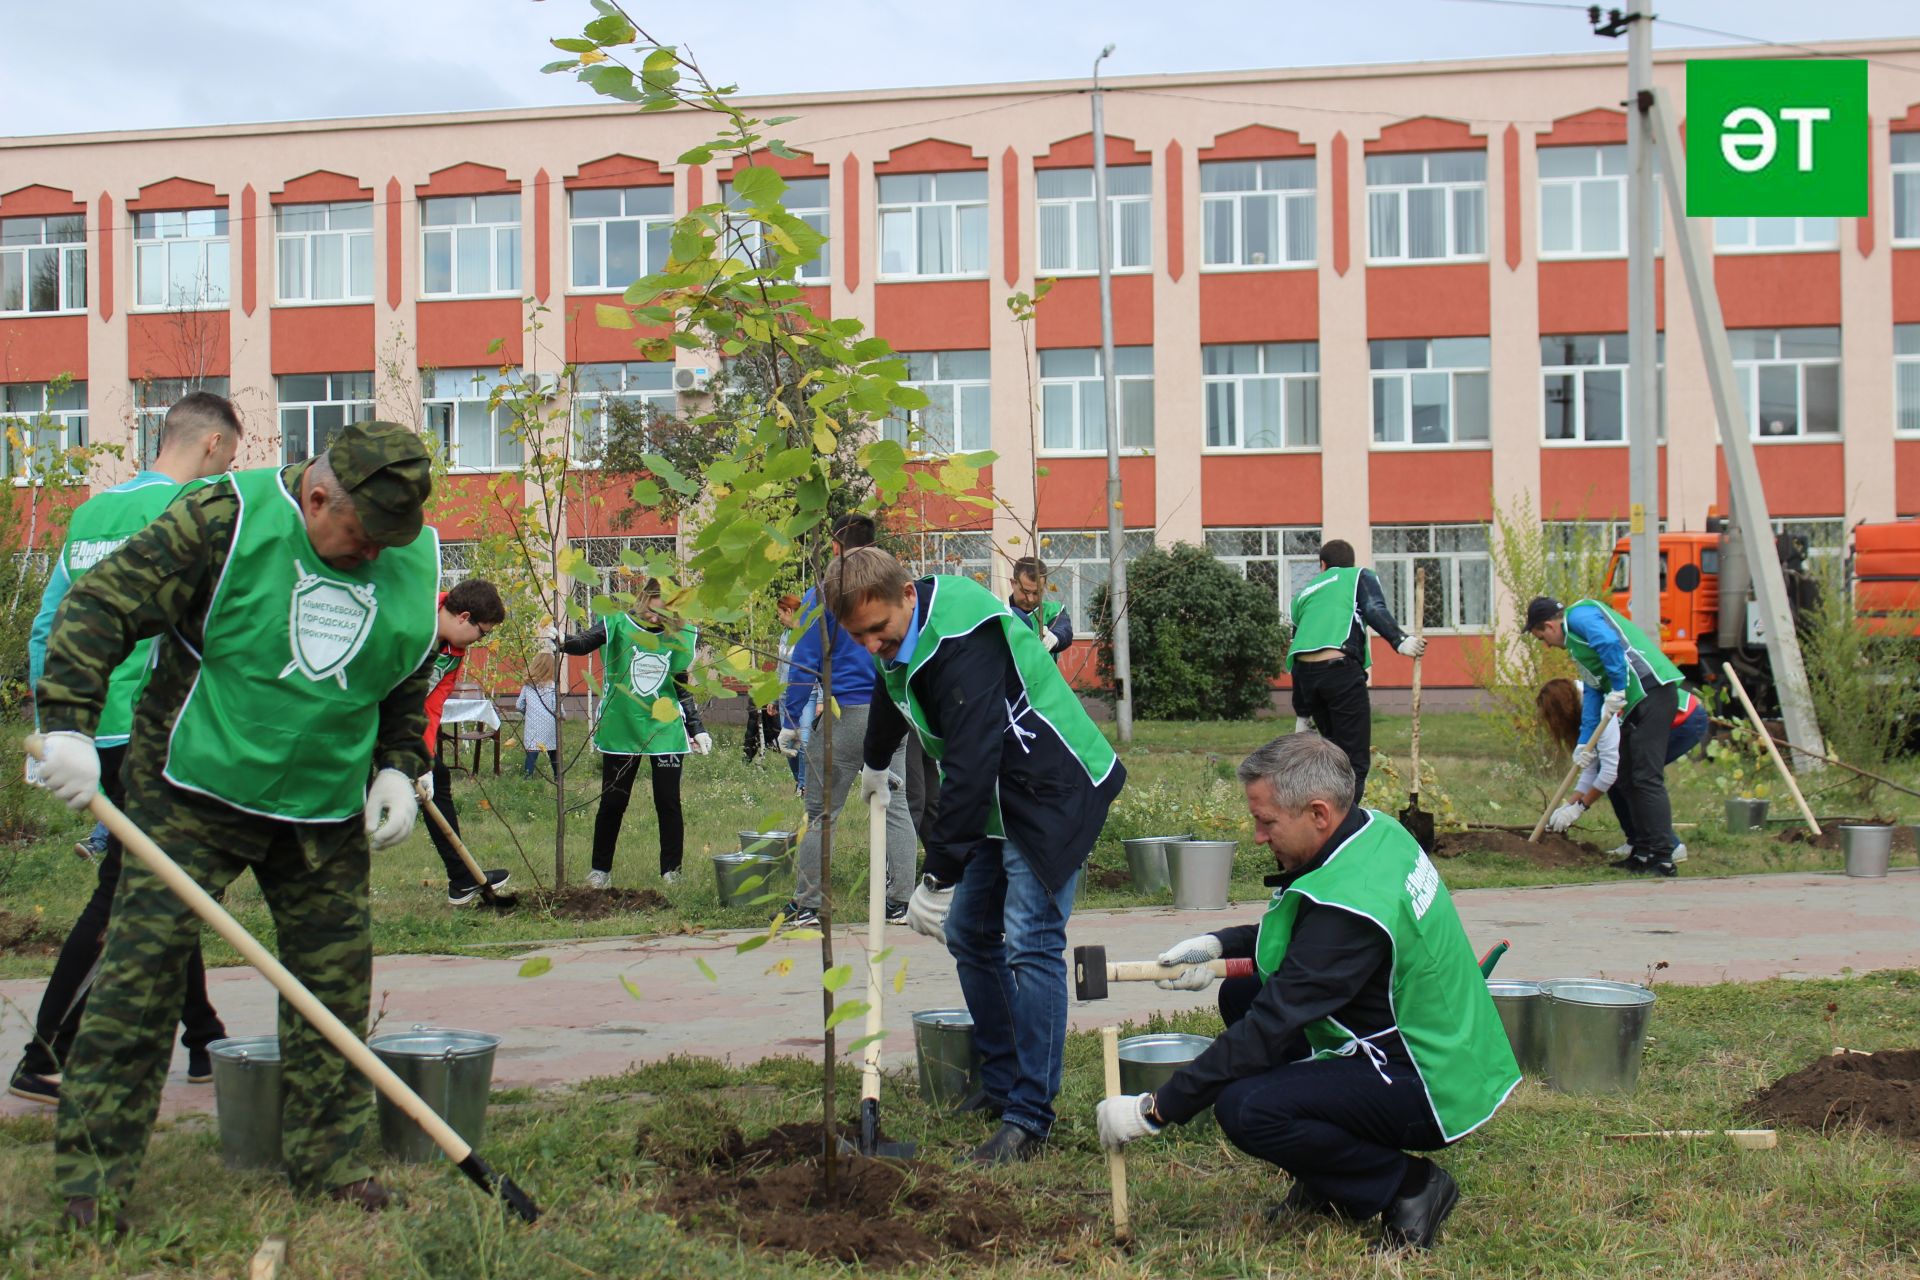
(1591, 625)
(852, 670)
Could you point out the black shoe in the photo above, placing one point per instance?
(1303, 1201)
(460, 894)
(1413, 1221)
(1632, 862)
(799, 917)
(199, 1066)
(366, 1194)
(983, 1103)
(35, 1088)
(83, 1214)
(1665, 869)
(896, 912)
(1010, 1144)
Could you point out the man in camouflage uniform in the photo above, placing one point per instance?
(236, 763)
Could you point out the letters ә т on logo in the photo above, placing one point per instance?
(1777, 138)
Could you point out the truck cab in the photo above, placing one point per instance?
(1689, 595)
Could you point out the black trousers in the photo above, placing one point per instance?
(1643, 772)
(1342, 1126)
(1334, 696)
(763, 731)
(66, 994)
(617, 774)
(457, 877)
(923, 786)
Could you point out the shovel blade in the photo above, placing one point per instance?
(1419, 824)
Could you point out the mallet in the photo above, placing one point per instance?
(1092, 972)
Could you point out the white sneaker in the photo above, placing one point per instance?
(1679, 853)
(1622, 851)
(668, 877)
(599, 879)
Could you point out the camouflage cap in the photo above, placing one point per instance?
(386, 469)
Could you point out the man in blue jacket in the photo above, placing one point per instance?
(824, 646)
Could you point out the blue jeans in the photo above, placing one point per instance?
(1008, 938)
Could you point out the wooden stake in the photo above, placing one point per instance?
(1419, 629)
(1745, 1139)
(1566, 782)
(1116, 1160)
(1759, 727)
(268, 1258)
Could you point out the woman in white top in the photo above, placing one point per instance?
(1558, 704)
(538, 729)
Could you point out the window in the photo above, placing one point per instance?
(959, 413)
(1459, 573)
(1789, 380)
(472, 436)
(966, 555)
(933, 224)
(37, 421)
(619, 234)
(1774, 235)
(1584, 384)
(1906, 188)
(804, 198)
(152, 397)
(1583, 201)
(469, 246)
(1825, 539)
(43, 265)
(1423, 207)
(180, 259)
(315, 406)
(1284, 560)
(604, 554)
(1073, 399)
(1264, 396)
(1070, 228)
(325, 252)
(644, 385)
(1430, 391)
(1906, 377)
(1258, 213)
(1077, 568)
(456, 563)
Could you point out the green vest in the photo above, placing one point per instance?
(641, 665)
(95, 531)
(1440, 1002)
(1323, 614)
(1042, 616)
(297, 657)
(1646, 665)
(958, 606)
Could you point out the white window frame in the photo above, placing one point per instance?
(816, 211)
(1612, 361)
(303, 245)
(445, 392)
(959, 417)
(1449, 571)
(197, 238)
(1077, 567)
(25, 410)
(1284, 557)
(24, 242)
(350, 395)
(1292, 204)
(653, 233)
(603, 554)
(1601, 172)
(1747, 370)
(1903, 155)
(1826, 539)
(599, 385)
(1229, 390)
(1080, 221)
(1398, 194)
(152, 397)
(962, 554)
(502, 238)
(1083, 395)
(456, 561)
(1906, 380)
(1745, 235)
(1455, 374)
(905, 216)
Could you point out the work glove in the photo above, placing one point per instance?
(391, 809)
(1049, 639)
(1302, 724)
(1196, 977)
(875, 782)
(425, 785)
(71, 767)
(703, 744)
(549, 640)
(927, 909)
(789, 743)
(1123, 1119)
(1615, 703)
(1582, 756)
(1566, 815)
(1412, 646)
(1193, 951)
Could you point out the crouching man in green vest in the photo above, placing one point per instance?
(1367, 1032)
(281, 732)
(1025, 783)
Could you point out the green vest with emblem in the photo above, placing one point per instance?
(1646, 665)
(959, 606)
(1440, 1003)
(296, 659)
(641, 665)
(1323, 614)
(95, 531)
(1041, 617)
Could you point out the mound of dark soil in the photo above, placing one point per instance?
(1109, 878)
(1877, 1091)
(1549, 851)
(598, 904)
(1829, 837)
(23, 936)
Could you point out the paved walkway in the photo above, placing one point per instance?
(578, 1020)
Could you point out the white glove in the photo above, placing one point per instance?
(789, 743)
(1197, 977)
(875, 782)
(1412, 646)
(391, 808)
(927, 909)
(1123, 1119)
(1049, 639)
(1193, 951)
(71, 769)
(549, 639)
(1582, 756)
(1566, 815)
(1303, 724)
(1615, 703)
(703, 744)
(425, 783)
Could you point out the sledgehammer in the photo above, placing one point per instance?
(1092, 972)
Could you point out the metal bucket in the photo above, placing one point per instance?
(1147, 1062)
(1200, 871)
(774, 844)
(744, 878)
(943, 1050)
(452, 1070)
(246, 1095)
(1596, 1033)
(1147, 861)
(1746, 815)
(1868, 850)
(1523, 1013)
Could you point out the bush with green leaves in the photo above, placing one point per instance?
(1207, 643)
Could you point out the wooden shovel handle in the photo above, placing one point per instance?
(1419, 631)
(1116, 1160)
(1566, 782)
(439, 820)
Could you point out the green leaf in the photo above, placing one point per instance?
(758, 185)
(754, 943)
(836, 977)
(864, 1041)
(611, 29)
(841, 1013)
(670, 473)
(565, 64)
(664, 58)
(573, 44)
(646, 493)
(632, 990)
(536, 966)
(803, 935)
(494, 348)
(611, 317)
(581, 571)
(706, 969)
(697, 155)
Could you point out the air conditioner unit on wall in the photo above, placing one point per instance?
(690, 381)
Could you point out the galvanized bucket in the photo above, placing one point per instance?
(1596, 1033)
(451, 1070)
(744, 878)
(1149, 1061)
(773, 844)
(1744, 814)
(943, 1050)
(246, 1095)
(1868, 850)
(1147, 861)
(1523, 1013)
(1200, 871)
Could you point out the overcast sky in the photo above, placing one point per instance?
(82, 65)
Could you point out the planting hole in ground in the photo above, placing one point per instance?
(22, 935)
(1550, 850)
(598, 904)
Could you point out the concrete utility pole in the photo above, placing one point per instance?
(1643, 412)
(1116, 523)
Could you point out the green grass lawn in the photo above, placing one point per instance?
(1180, 779)
(1543, 1193)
